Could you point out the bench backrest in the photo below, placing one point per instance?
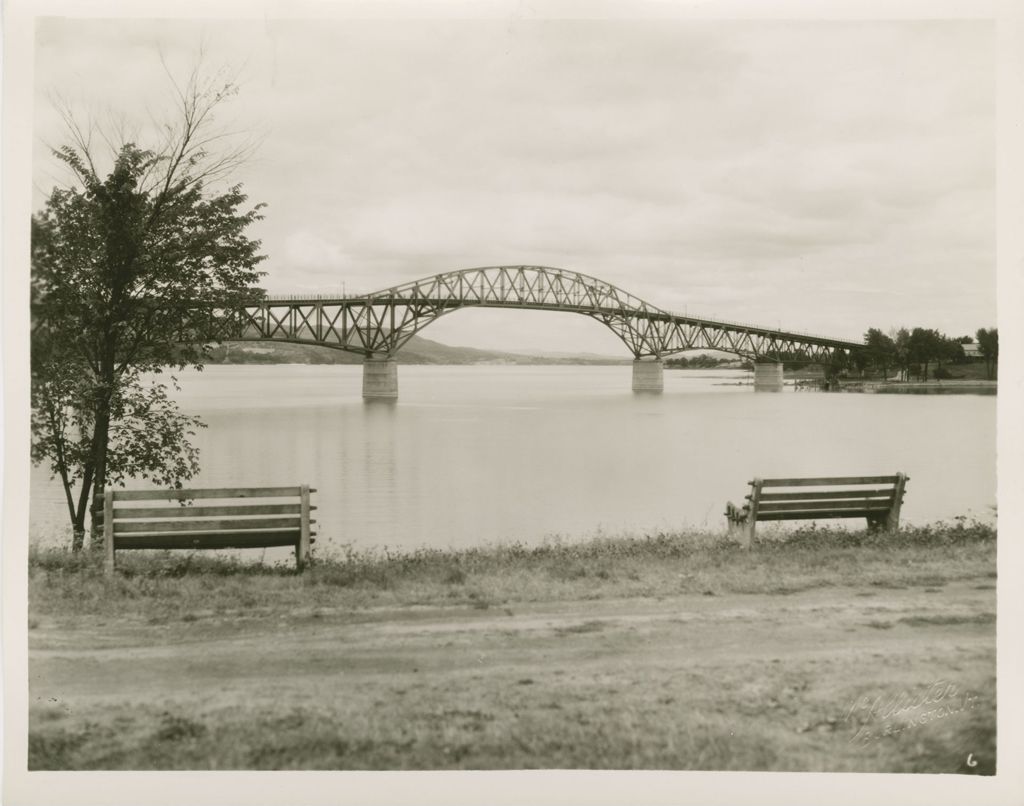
(826, 497)
(238, 517)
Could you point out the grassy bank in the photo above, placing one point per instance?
(816, 650)
(179, 584)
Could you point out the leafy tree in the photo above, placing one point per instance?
(988, 346)
(881, 350)
(901, 341)
(133, 270)
(924, 346)
(949, 351)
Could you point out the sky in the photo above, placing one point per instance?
(818, 176)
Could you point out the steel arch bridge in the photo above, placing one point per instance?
(378, 324)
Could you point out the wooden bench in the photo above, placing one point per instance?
(236, 518)
(875, 498)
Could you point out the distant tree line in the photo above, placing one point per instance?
(703, 362)
(922, 353)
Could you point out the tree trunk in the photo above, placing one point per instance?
(99, 484)
(78, 522)
(100, 440)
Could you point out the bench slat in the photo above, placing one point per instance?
(822, 514)
(253, 539)
(206, 525)
(880, 493)
(828, 480)
(222, 492)
(814, 506)
(121, 513)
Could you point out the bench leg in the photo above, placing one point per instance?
(892, 522)
(748, 532)
(892, 517)
(886, 522)
(302, 547)
(108, 532)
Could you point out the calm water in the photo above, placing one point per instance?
(479, 454)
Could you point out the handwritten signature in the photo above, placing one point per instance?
(892, 713)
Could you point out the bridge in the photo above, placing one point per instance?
(377, 325)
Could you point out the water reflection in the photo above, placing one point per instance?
(478, 454)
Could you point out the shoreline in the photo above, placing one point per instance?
(967, 387)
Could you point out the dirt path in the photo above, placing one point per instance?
(809, 680)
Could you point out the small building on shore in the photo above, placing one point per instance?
(972, 351)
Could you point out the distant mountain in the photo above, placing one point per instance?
(597, 358)
(416, 351)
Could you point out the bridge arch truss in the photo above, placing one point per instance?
(379, 324)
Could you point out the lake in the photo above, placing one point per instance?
(472, 455)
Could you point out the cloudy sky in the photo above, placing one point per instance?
(818, 176)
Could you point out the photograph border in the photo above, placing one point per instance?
(22, 788)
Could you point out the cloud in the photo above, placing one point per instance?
(702, 164)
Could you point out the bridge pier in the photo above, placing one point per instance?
(380, 378)
(768, 377)
(648, 375)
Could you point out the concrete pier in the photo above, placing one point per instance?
(648, 375)
(768, 377)
(380, 379)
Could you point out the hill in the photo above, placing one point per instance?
(417, 351)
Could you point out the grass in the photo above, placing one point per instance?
(520, 657)
(190, 586)
(721, 718)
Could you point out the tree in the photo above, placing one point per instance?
(881, 350)
(133, 271)
(988, 346)
(901, 340)
(950, 350)
(923, 347)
